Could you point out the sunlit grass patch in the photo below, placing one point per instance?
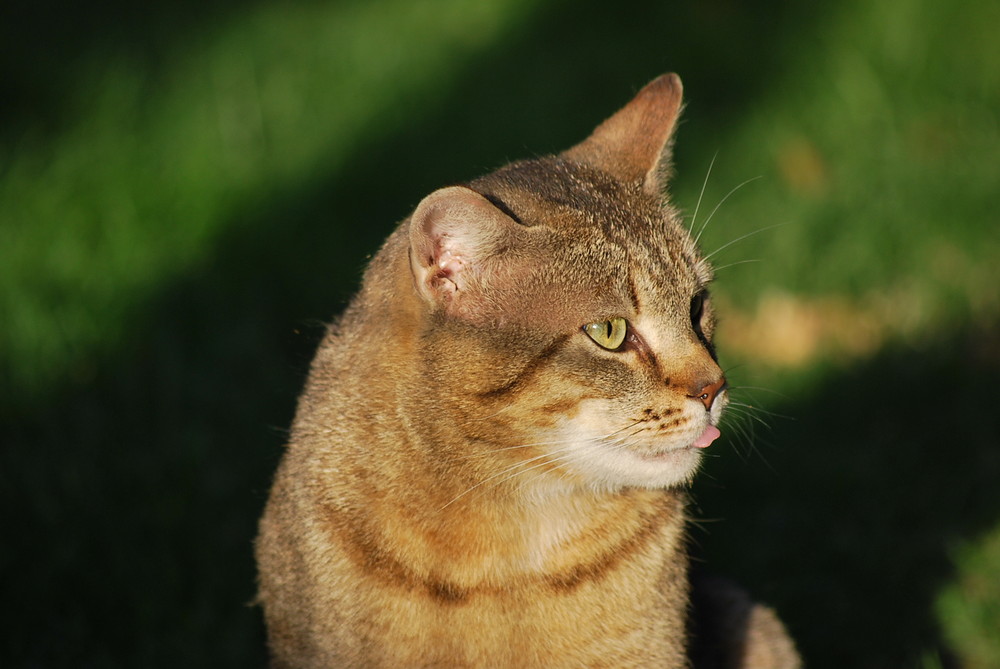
(156, 166)
(969, 608)
(877, 161)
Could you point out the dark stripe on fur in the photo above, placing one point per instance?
(527, 372)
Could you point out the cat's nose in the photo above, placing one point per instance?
(709, 392)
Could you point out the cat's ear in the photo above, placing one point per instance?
(456, 238)
(634, 144)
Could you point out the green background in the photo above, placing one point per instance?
(188, 190)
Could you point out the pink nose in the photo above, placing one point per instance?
(708, 394)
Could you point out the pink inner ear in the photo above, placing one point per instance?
(449, 268)
(449, 260)
(453, 233)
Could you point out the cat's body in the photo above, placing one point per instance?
(486, 465)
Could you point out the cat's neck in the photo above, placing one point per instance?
(481, 543)
(574, 529)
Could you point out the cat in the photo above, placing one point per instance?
(488, 464)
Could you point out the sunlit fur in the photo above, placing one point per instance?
(471, 480)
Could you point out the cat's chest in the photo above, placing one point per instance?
(547, 538)
(559, 537)
(563, 595)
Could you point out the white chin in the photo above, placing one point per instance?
(612, 469)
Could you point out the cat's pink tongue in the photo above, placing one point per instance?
(710, 434)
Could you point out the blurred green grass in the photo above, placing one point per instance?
(137, 191)
(186, 192)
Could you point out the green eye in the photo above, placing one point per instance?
(608, 334)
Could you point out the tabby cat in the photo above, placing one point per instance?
(488, 463)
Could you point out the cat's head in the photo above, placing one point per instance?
(567, 318)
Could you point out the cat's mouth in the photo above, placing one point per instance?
(710, 434)
(704, 440)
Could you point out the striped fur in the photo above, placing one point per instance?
(471, 481)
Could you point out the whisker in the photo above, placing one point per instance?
(694, 217)
(741, 238)
(744, 391)
(744, 437)
(729, 370)
(760, 388)
(728, 195)
(491, 451)
(536, 444)
(757, 409)
(733, 264)
(566, 455)
(512, 468)
(744, 423)
(749, 412)
(570, 445)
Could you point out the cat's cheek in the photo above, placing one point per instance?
(609, 458)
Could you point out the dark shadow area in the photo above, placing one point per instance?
(581, 47)
(874, 480)
(136, 498)
(43, 44)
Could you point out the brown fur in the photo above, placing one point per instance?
(471, 481)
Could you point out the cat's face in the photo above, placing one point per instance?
(587, 335)
(568, 315)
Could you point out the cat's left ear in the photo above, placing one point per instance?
(635, 143)
(456, 239)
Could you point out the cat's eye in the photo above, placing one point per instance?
(609, 334)
(698, 320)
(697, 311)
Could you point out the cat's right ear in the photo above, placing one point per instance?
(634, 145)
(456, 236)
